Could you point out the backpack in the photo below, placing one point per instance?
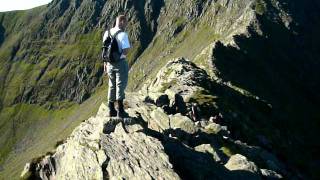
(110, 48)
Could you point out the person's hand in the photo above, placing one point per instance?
(105, 66)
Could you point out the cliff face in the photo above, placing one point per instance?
(260, 55)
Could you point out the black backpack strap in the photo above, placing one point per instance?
(115, 35)
(104, 42)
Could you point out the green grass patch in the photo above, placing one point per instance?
(227, 151)
(202, 98)
(260, 7)
(38, 130)
(85, 45)
(179, 21)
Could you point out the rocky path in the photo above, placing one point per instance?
(169, 135)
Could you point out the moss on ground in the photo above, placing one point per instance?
(179, 21)
(202, 98)
(167, 85)
(226, 151)
(260, 7)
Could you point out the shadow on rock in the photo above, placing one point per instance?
(191, 164)
(278, 67)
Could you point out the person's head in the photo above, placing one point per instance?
(121, 22)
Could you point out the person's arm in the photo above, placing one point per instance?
(105, 66)
(125, 44)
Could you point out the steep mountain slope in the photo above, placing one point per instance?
(262, 54)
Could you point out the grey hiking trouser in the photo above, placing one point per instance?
(118, 79)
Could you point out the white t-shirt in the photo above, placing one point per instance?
(122, 39)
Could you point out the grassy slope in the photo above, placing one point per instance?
(30, 130)
(40, 129)
(188, 43)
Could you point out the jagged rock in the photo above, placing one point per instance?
(270, 174)
(201, 124)
(184, 83)
(103, 147)
(259, 154)
(160, 99)
(194, 164)
(92, 152)
(207, 148)
(180, 75)
(182, 122)
(171, 94)
(135, 155)
(160, 119)
(216, 128)
(240, 162)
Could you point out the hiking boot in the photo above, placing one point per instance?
(112, 111)
(121, 112)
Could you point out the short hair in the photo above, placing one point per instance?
(121, 17)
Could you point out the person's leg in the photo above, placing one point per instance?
(121, 79)
(111, 90)
(121, 83)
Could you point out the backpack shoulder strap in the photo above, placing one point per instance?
(109, 34)
(115, 35)
(106, 40)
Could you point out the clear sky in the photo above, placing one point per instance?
(9, 5)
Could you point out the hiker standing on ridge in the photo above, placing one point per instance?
(117, 70)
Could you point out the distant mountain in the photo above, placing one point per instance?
(262, 55)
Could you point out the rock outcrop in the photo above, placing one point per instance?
(157, 141)
(102, 148)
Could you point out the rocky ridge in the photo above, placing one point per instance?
(160, 140)
(100, 148)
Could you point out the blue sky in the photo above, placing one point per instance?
(9, 5)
